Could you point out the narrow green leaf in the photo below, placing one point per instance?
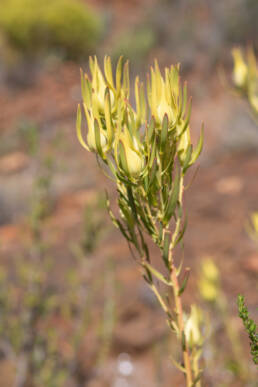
(122, 158)
(107, 111)
(123, 231)
(142, 103)
(157, 274)
(149, 94)
(177, 365)
(97, 138)
(182, 232)
(88, 89)
(166, 249)
(144, 245)
(170, 159)
(119, 74)
(108, 71)
(187, 159)
(172, 202)
(150, 130)
(145, 220)
(179, 268)
(127, 214)
(78, 128)
(126, 80)
(184, 282)
(160, 232)
(183, 341)
(149, 276)
(116, 221)
(187, 119)
(111, 167)
(164, 133)
(83, 89)
(147, 279)
(198, 149)
(184, 99)
(131, 202)
(153, 154)
(91, 64)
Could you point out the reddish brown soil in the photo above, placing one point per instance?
(219, 202)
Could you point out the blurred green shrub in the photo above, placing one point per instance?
(135, 45)
(29, 28)
(45, 317)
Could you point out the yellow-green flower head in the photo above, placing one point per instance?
(134, 158)
(160, 94)
(192, 327)
(95, 97)
(240, 70)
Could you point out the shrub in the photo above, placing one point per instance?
(148, 156)
(136, 45)
(33, 27)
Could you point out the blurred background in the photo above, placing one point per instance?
(74, 310)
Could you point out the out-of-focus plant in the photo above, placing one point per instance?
(245, 76)
(211, 292)
(32, 28)
(250, 327)
(43, 320)
(43, 323)
(41, 201)
(147, 152)
(136, 44)
(93, 226)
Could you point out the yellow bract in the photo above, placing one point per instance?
(134, 159)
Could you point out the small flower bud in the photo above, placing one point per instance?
(91, 136)
(209, 281)
(240, 68)
(133, 156)
(192, 327)
(134, 162)
(91, 139)
(184, 142)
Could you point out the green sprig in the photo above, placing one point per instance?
(250, 327)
